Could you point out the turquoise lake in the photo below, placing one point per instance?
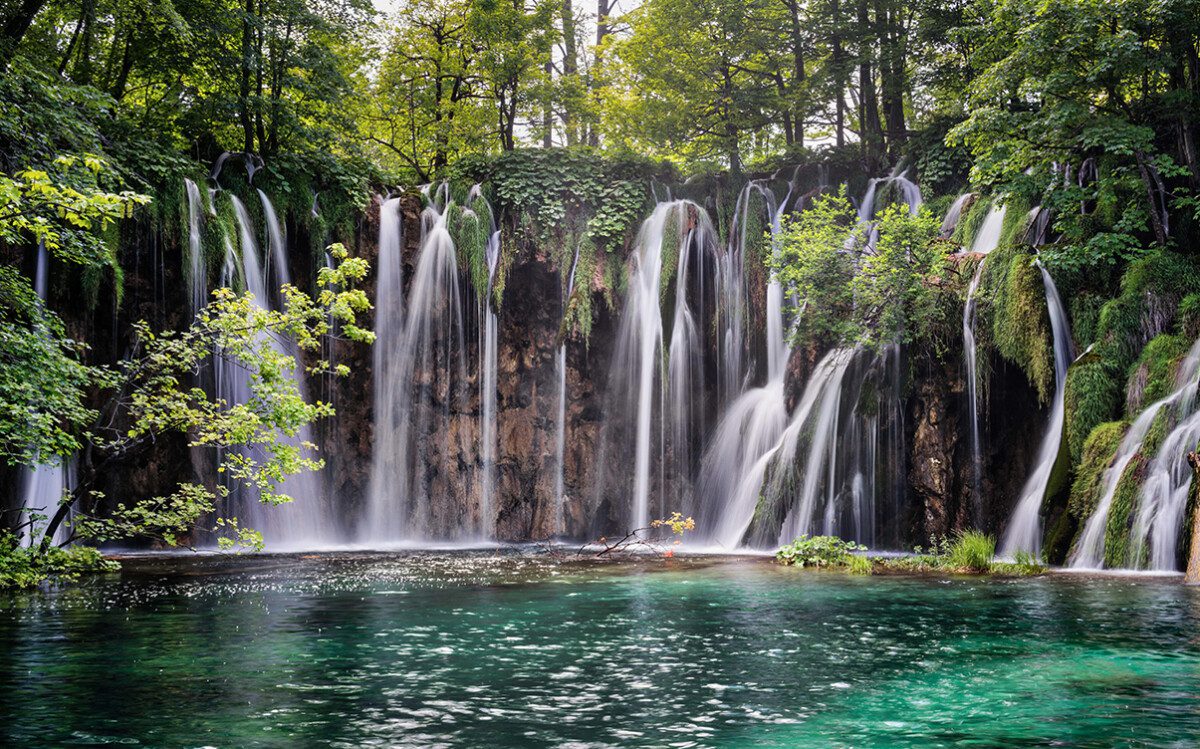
(513, 649)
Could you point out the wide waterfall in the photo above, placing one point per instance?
(421, 388)
(748, 487)
(1024, 532)
(305, 522)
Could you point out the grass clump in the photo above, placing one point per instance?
(972, 551)
(818, 551)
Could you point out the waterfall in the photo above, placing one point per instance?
(421, 369)
(560, 431)
(43, 486)
(950, 221)
(641, 389)
(984, 241)
(196, 265)
(304, 522)
(988, 236)
(756, 438)
(489, 346)
(1164, 495)
(1024, 531)
(970, 356)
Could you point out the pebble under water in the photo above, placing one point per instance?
(513, 649)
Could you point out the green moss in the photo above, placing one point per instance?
(1098, 452)
(1085, 316)
(1016, 220)
(471, 233)
(1153, 375)
(939, 205)
(970, 222)
(1189, 317)
(1121, 514)
(1092, 397)
(1016, 301)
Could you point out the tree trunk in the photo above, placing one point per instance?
(839, 62)
(893, 75)
(870, 127)
(244, 112)
(570, 69)
(603, 8)
(83, 69)
(796, 136)
(14, 29)
(1156, 221)
(548, 109)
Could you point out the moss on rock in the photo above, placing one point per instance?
(1098, 452)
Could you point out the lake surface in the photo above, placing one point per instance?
(488, 649)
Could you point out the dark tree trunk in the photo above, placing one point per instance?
(15, 26)
(570, 68)
(870, 127)
(244, 112)
(799, 74)
(839, 62)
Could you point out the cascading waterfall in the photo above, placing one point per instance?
(970, 357)
(489, 346)
(197, 272)
(305, 522)
(423, 369)
(1089, 549)
(44, 486)
(954, 214)
(681, 226)
(560, 430)
(984, 241)
(1024, 532)
(756, 438)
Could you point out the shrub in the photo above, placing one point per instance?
(25, 567)
(818, 551)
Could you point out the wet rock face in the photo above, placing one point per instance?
(931, 465)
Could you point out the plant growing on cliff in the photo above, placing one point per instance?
(862, 292)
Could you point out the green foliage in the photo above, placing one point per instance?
(26, 567)
(972, 551)
(1093, 396)
(1014, 296)
(1117, 531)
(1153, 375)
(971, 221)
(43, 382)
(1098, 452)
(859, 295)
(818, 551)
